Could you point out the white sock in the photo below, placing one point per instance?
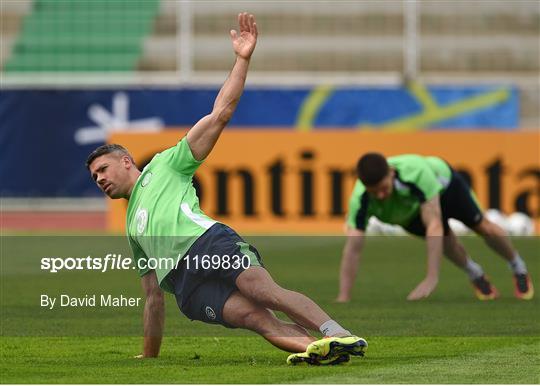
(332, 328)
(473, 269)
(518, 265)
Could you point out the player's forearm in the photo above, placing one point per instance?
(151, 346)
(229, 95)
(349, 266)
(154, 321)
(348, 271)
(203, 136)
(432, 219)
(434, 240)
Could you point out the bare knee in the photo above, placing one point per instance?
(257, 285)
(483, 227)
(487, 228)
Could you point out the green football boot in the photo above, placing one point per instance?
(332, 347)
(304, 358)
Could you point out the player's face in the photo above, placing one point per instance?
(111, 174)
(383, 189)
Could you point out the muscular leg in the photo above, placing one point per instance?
(456, 253)
(256, 284)
(454, 250)
(496, 238)
(242, 312)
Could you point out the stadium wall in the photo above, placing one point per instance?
(59, 128)
(272, 181)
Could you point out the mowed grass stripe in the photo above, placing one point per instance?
(252, 360)
(445, 360)
(448, 338)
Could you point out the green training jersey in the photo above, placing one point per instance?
(417, 179)
(163, 215)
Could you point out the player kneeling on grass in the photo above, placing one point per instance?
(164, 219)
(421, 194)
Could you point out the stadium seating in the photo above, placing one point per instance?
(360, 36)
(82, 36)
(455, 37)
(11, 16)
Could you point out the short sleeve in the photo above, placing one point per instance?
(180, 158)
(426, 183)
(139, 257)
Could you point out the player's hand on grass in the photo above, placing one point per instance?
(342, 299)
(141, 356)
(424, 289)
(244, 43)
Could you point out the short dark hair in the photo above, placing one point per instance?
(107, 149)
(372, 168)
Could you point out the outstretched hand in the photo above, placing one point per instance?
(244, 43)
(424, 289)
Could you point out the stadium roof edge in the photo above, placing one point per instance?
(270, 79)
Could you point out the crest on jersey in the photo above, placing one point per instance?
(141, 218)
(146, 179)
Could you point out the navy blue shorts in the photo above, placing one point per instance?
(207, 274)
(457, 202)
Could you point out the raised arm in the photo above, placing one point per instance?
(154, 315)
(432, 219)
(203, 136)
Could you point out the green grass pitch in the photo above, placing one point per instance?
(448, 338)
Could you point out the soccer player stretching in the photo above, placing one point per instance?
(421, 194)
(164, 220)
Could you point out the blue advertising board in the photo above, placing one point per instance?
(45, 135)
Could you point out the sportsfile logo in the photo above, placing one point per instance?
(112, 261)
(109, 262)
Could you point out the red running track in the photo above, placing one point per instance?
(48, 221)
